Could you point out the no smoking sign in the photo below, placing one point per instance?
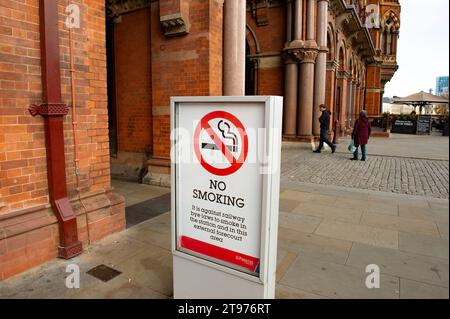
(221, 143)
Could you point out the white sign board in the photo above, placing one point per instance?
(225, 185)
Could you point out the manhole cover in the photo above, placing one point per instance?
(104, 273)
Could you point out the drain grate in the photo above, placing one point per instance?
(104, 273)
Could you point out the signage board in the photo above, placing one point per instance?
(225, 184)
(424, 124)
(404, 126)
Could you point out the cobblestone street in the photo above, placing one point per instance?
(396, 174)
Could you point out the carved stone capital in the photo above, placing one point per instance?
(291, 56)
(332, 65)
(115, 8)
(174, 24)
(308, 56)
(342, 74)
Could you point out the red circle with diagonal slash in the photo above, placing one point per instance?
(236, 163)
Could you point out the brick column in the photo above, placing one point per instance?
(234, 47)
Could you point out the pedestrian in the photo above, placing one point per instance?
(324, 120)
(360, 135)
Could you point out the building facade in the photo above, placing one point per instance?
(85, 87)
(441, 85)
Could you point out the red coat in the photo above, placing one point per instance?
(361, 131)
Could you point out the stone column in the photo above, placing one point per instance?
(349, 103)
(310, 15)
(357, 100)
(306, 80)
(331, 84)
(342, 82)
(306, 94)
(288, 21)
(291, 55)
(353, 105)
(290, 94)
(298, 20)
(234, 47)
(320, 66)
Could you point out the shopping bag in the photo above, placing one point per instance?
(351, 147)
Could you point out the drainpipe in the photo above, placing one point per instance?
(53, 110)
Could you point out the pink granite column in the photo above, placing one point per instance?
(234, 47)
(320, 66)
(291, 69)
(306, 81)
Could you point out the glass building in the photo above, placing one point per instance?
(441, 85)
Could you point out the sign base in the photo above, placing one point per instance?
(196, 281)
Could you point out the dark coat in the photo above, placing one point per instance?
(324, 120)
(361, 131)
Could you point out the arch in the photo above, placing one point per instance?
(331, 43)
(342, 56)
(252, 41)
(390, 21)
(351, 66)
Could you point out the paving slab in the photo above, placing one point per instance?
(410, 289)
(322, 248)
(284, 262)
(359, 233)
(329, 212)
(410, 225)
(151, 268)
(423, 245)
(443, 230)
(337, 281)
(412, 266)
(301, 223)
(288, 205)
(286, 292)
(415, 212)
(296, 195)
(118, 288)
(385, 206)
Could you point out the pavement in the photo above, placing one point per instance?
(330, 230)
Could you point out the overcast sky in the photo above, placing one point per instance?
(423, 50)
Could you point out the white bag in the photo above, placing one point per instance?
(352, 147)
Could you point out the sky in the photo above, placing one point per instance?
(423, 47)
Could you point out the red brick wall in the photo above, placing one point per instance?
(271, 38)
(373, 90)
(22, 143)
(133, 81)
(185, 65)
(26, 220)
(23, 177)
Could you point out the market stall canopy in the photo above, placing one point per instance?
(420, 99)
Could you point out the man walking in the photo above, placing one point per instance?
(324, 120)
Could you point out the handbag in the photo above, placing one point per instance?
(352, 147)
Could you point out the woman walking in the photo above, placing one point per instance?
(360, 135)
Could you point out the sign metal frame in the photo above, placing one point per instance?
(270, 188)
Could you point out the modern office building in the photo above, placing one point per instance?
(441, 85)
